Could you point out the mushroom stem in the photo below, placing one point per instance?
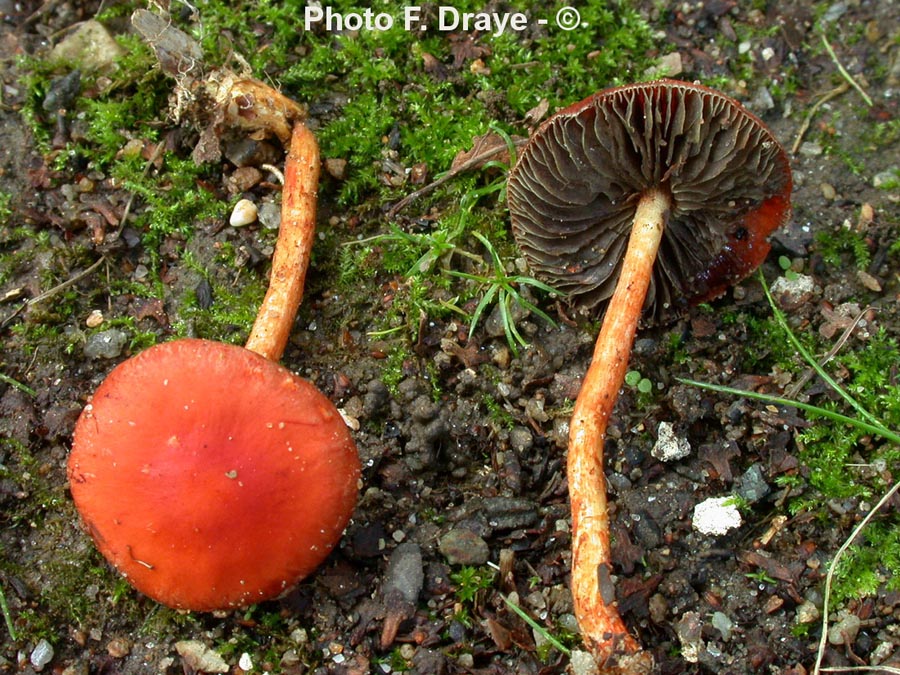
(272, 327)
(602, 628)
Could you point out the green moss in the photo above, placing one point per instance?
(499, 415)
(228, 318)
(869, 566)
(850, 464)
(843, 246)
(393, 372)
(5, 210)
(414, 93)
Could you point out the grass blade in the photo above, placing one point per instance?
(4, 608)
(877, 429)
(24, 388)
(814, 363)
(536, 626)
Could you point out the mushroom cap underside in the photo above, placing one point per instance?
(211, 477)
(574, 190)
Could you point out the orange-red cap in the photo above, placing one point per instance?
(210, 476)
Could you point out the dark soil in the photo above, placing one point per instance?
(447, 478)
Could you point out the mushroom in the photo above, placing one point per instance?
(210, 476)
(664, 172)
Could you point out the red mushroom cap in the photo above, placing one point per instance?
(210, 476)
(574, 191)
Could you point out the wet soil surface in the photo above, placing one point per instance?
(451, 483)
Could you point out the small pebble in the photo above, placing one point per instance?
(582, 663)
(723, 624)
(874, 32)
(63, 91)
(690, 633)
(290, 659)
(244, 213)
(94, 319)
(41, 655)
(868, 281)
(245, 662)
(463, 547)
(132, 148)
(671, 64)
(520, 439)
(753, 486)
(107, 344)
(91, 47)
(659, 608)
(811, 149)
(198, 657)
(243, 178)
(466, 660)
(835, 12)
(828, 191)
(269, 215)
(844, 630)
(405, 573)
(887, 179)
(762, 98)
(669, 446)
(773, 604)
(118, 648)
(793, 290)
(336, 168)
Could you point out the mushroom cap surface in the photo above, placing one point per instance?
(210, 476)
(574, 190)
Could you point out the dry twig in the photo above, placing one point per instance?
(834, 93)
(473, 162)
(823, 640)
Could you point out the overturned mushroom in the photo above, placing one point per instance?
(644, 198)
(207, 474)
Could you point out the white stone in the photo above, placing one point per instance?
(716, 515)
(582, 663)
(244, 213)
(794, 288)
(199, 657)
(669, 446)
(90, 47)
(41, 655)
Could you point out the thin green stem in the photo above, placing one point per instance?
(4, 608)
(813, 362)
(877, 429)
(18, 385)
(536, 626)
(843, 71)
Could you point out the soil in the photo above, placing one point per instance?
(448, 484)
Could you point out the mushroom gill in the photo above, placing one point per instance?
(573, 194)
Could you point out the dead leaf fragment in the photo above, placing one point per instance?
(537, 113)
(489, 147)
(465, 47)
(177, 52)
(200, 658)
